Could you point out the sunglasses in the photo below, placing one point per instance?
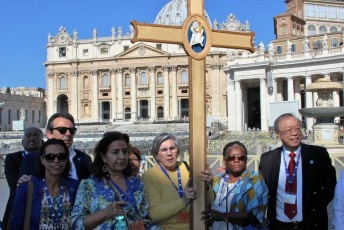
(63, 130)
(232, 158)
(50, 157)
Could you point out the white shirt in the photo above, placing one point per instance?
(338, 204)
(281, 187)
(72, 154)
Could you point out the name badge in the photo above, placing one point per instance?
(289, 198)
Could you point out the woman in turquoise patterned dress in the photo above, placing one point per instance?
(241, 195)
(53, 191)
(111, 198)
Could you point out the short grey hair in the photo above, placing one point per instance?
(159, 139)
(281, 118)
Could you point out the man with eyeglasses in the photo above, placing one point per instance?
(32, 141)
(300, 178)
(61, 126)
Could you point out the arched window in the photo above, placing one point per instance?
(127, 80)
(106, 81)
(311, 30)
(127, 115)
(160, 80)
(322, 30)
(63, 82)
(185, 77)
(143, 79)
(333, 29)
(160, 112)
(86, 82)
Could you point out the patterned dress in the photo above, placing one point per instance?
(248, 194)
(94, 194)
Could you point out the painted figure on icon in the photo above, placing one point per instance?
(197, 36)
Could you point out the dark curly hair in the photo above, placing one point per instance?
(101, 149)
(134, 150)
(41, 169)
(233, 143)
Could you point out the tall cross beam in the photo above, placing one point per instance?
(197, 39)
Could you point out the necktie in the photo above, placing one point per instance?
(290, 209)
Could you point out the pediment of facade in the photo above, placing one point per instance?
(142, 50)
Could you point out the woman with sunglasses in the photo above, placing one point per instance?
(241, 195)
(111, 198)
(53, 191)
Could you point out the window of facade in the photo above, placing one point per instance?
(62, 52)
(317, 44)
(160, 79)
(322, 30)
(106, 80)
(158, 46)
(143, 79)
(127, 115)
(310, 10)
(185, 77)
(18, 114)
(332, 12)
(160, 112)
(127, 93)
(333, 29)
(86, 109)
(340, 13)
(184, 91)
(279, 49)
(293, 48)
(86, 82)
(284, 29)
(62, 82)
(104, 50)
(126, 48)
(334, 42)
(85, 52)
(311, 30)
(127, 80)
(39, 116)
(33, 116)
(160, 92)
(321, 11)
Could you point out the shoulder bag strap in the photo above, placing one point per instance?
(28, 205)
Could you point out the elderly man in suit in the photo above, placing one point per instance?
(32, 141)
(60, 126)
(300, 178)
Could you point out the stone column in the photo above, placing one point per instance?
(335, 96)
(151, 71)
(74, 95)
(51, 89)
(263, 105)
(133, 95)
(113, 87)
(309, 102)
(119, 94)
(95, 102)
(279, 93)
(216, 91)
(274, 92)
(166, 93)
(231, 103)
(290, 89)
(297, 93)
(238, 105)
(174, 92)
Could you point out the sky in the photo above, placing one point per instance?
(25, 25)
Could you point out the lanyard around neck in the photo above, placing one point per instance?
(292, 177)
(180, 186)
(228, 191)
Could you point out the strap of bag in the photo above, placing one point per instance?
(28, 205)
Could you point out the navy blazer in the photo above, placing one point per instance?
(81, 160)
(19, 205)
(319, 181)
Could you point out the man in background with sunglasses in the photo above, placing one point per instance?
(300, 178)
(32, 141)
(61, 126)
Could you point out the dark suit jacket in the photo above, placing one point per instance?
(319, 181)
(13, 163)
(81, 160)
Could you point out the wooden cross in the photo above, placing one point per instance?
(197, 38)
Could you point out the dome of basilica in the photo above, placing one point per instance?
(174, 13)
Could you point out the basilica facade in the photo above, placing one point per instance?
(109, 79)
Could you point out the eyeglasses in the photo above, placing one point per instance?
(50, 157)
(232, 158)
(290, 131)
(63, 130)
(172, 149)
